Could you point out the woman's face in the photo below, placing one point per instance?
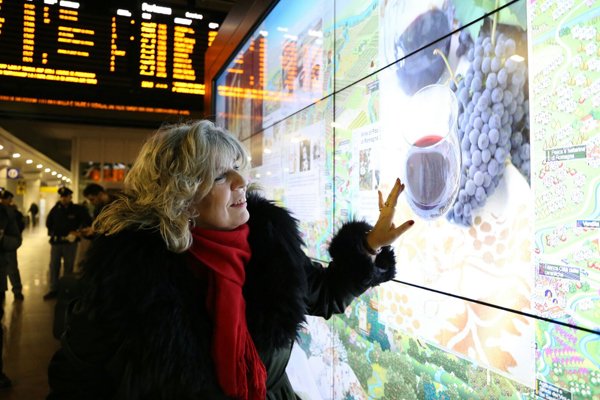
(224, 207)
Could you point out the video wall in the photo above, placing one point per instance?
(488, 112)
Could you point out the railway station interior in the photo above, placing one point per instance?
(496, 293)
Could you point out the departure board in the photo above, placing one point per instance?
(76, 58)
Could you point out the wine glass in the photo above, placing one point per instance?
(433, 160)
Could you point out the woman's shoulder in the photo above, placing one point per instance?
(127, 251)
(267, 212)
(129, 240)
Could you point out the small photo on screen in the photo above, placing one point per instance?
(305, 155)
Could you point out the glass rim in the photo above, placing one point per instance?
(453, 110)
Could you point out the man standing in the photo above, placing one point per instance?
(10, 240)
(64, 223)
(12, 264)
(34, 210)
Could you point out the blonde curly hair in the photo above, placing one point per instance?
(175, 168)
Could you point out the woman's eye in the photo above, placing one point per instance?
(220, 178)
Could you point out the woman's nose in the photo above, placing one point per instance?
(239, 181)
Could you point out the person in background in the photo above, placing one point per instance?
(196, 288)
(5, 381)
(64, 222)
(34, 210)
(12, 263)
(10, 240)
(98, 197)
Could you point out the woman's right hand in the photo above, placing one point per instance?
(385, 232)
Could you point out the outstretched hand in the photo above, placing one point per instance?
(385, 232)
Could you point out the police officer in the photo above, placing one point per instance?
(12, 264)
(10, 240)
(64, 223)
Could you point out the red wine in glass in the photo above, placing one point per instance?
(432, 170)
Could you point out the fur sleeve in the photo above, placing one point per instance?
(355, 264)
(351, 271)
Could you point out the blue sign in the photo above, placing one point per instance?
(13, 173)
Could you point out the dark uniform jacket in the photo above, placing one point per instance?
(64, 219)
(141, 329)
(10, 228)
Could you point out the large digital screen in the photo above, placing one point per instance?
(68, 57)
(487, 110)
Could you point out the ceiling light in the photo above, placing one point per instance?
(30, 161)
(53, 173)
(47, 170)
(39, 166)
(59, 175)
(1, 147)
(16, 155)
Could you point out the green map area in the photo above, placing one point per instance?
(565, 76)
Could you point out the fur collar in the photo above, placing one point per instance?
(275, 286)
(275, 279)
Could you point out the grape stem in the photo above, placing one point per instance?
(494, 23)
(440, 53)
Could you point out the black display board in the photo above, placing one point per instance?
(69, 60)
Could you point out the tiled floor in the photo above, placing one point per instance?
(28, 340)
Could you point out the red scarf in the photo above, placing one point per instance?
(240, 371)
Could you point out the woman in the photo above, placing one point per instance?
(195, 289)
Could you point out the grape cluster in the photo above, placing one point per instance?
(491, 102)
(465, 42)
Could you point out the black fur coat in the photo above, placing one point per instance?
(140, 331)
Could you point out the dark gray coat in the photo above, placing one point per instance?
(141, 330)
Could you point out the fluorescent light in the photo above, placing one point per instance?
(47, 170)
(39, 166)
(183, 21)
(213, 25)
(30, 161)
(123, 13)
(193, 15)
(16, 155)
